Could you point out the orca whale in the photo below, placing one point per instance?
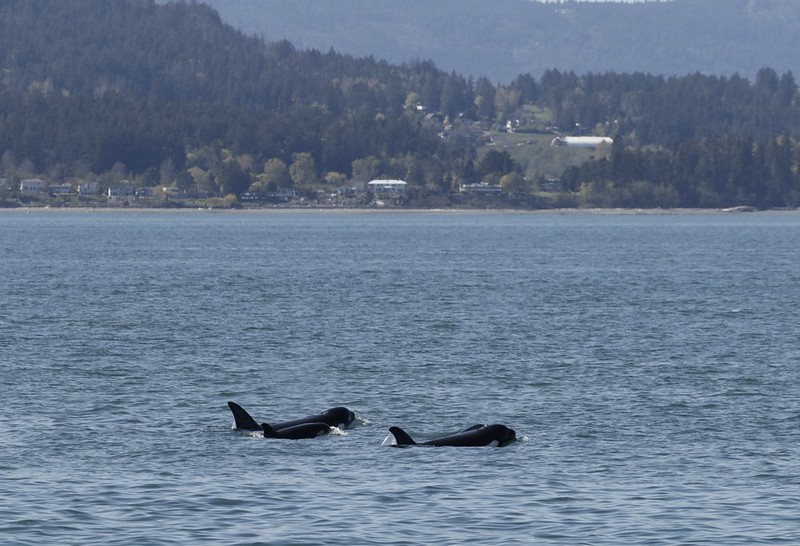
(340, 417)
(475, 436)
(296, 432)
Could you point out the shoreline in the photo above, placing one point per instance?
(338, 210)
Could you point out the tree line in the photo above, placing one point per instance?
(131, 89)
(700, 173)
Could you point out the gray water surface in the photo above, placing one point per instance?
(649, 365)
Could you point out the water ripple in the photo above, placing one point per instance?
(651, 379)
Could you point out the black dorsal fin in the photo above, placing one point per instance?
(269, 432)
(401, 437)
(242, 419)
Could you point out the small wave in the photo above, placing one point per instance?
(792, 418)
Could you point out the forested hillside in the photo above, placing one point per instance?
(501, 39)
(138, 93)
(88, 84)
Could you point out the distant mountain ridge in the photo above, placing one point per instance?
(145, 93)
(501, 39)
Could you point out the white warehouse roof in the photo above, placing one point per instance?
(581, 141)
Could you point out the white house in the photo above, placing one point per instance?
(551, 185)
(33, 184)
(88, 188)
(387, 187)
(482, 188)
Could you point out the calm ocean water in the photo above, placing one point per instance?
(650, 364)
